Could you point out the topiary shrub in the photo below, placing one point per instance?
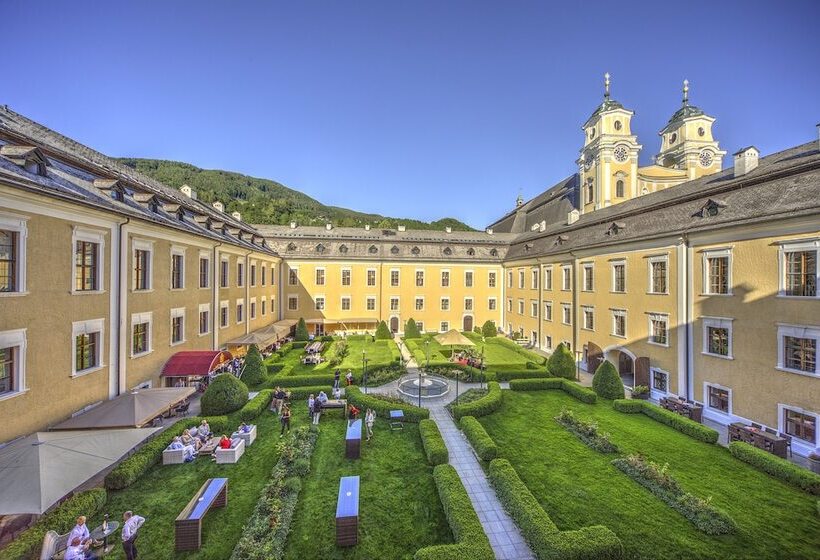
(382, 332)
(254, 371)
(487, 404)
(777, 467)
(562, 363)
(301, 334)
(224, 395)
(477, 329)
(478, 437)
(489, 329)
(433, 443)
(606, 382)
(411, 329)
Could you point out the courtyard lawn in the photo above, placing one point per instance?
(379, 353)
(163, 491)
(499, 353)
(399, 507)
(578, 486)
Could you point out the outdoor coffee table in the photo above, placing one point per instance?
(396, 420)
(209, 446)
(99, 534)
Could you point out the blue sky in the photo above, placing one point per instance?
(417, 109)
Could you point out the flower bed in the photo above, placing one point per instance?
(586, 431)
(657, 480)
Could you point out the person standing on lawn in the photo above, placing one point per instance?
(349, 377)
(317, 411)
(336, 376)
(311, 403)
(369, 420)
(285, 419)
(130, 526)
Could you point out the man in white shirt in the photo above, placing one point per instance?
(78, 551)
(80, 530)
(130, 526)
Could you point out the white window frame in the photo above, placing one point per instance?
(716, 253)
(204, 308)
(534, 308)
(142, 245)
(492, 278)
(263, 302)
(136, 319)
(293, 275)
(798, 331)
(534, 279)
(292, 297)
(799, 444)
(398, 278)
(612, 265)
(397, 307)
(349, 276)
(204, 255)
(566, 278)
(706, 406)
(175, 313)
(548, 309)
(367, 277)
(650, 277)
(420, 325)
(621, 313)
(79, 234)
(547, 275)
(509, 278)
(241, 273)
(566, 311)
(342, 303)
(223, 304)
(444, 326)
(657, 393)
(316, 276)
(797, 246)
(472, 276)
(367, 301)
(587, 309)
(416, 303)
(471, 307)
(252, 309)
(319, 302)
(19, 225)
(442, 304)
(449, 278)
(179, 251)
(509, 305)
(720, 323)
(239, 302)
(87, 327)
(547, 342)
(16, 339)
(225, 261)
(253, 268)
(521, 273)
(492, 304)
(588, 272)
(660, 316)
(521, 307)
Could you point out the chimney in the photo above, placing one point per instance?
(293, 225)
(746, 160)
(236, 216)
(448, 229)
(219, 206)
(489, 231)
(328, 227)
(402, 227)
(367, 227)
(188, 191)
(573, 216)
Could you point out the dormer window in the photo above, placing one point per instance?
(615, 228)
(29, 158)
(343, 249)
(373, 250)
(394, 250)
(320, 248)
(471, 252)
(415, 250)
(561, 239)
(711, 208)
(291, 246)
(527, 246)
(181, 214)
(493, 252)
(448, 251)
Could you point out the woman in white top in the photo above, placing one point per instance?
(369, 419)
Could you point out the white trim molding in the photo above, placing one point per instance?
(92, 326)
(18, 224)
(797, 331)
(718, 323)
(16, 339)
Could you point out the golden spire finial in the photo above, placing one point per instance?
(606, 85)
(686, 92)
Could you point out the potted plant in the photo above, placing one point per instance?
(640, 392)
(814, 461)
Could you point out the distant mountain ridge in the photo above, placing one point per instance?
(263, 201)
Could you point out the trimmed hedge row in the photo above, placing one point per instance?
(130, 469)
(325, 379)
(305, 392)
(544, 538)
(529, 373)
(671, 419)
(275, 368)
(256, 405)
(777, 467)
(583, 394)
(478, 437)
(433, 443)
(60, 519)
(487, 404)
(383, 407)
(470, 541)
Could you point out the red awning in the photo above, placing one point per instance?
(195, 363)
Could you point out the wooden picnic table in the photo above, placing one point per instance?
(188, 524)
(761, 439)
(689, 410)
(347, 512)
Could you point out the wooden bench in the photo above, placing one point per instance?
(188, 524)
(353, 439)
(347, 512)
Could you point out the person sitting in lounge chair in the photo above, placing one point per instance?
(243, 428)
(225, 442)
(188, 439)
(188, 450)
(204, 431)
(78, 551)
(80, 530)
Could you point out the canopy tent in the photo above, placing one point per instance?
(453, 338)
(262, 337)
(195, 363)
(286, 323)
(42, 468)
(130, 410)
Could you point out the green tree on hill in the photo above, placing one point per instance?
(302, 334)
(411, 329)
(606, 382)
(382, 332)
(254, 371)
(489, 330)
(562, 363)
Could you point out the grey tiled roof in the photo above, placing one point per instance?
(551, 206)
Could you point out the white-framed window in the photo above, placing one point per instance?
(797, 349)
(204, 270)
(799, 423)
(588, 277)
(588, 313)
(419, 277)
(253, 308)
(619, 323)
(445, 304)
(371, 277)
(204, 318)
(263, 270)
(566, 313)
(320, 276)
(293, 303)
(547, 342)
(468, 278)
(509, 305)
(548, 278)
(548, 311)
(567, 344)
(293, 276)
(346, 276)
(240, 310)
(658, 382)
(521, 278)
(492, 304)
(223, 314)
(717, 398)
(12, 363)
(444, 326)
(142, 251)
(534, 279)
(419, 303)
(177, 268)
(520, 306)
(566, 278)
(658, 268)
(619, 277)
(659, 329)
(224, 272)
(394, 277)
(717, 272)
(345, 303)
(141, 333)
(13, 235)
(534, 308)
(420, 325)
(88, 342)
(253, 274)
(717, 337)
(320, 303)
(468, 304)
(394, 303)
(445, 278)
(272, 304)
(370, 303)
(491, 279)
(177, 325)
(799, 274)
(240, 273)
(509, 278)
(89, 251)
(263, 302)
(272, 276)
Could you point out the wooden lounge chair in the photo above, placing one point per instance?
(53, 544)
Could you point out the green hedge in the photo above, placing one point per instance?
(382, 407)
(673, 420)
(130, 469)
(583, 394)
(478, 437)
(256, 405)
(529, 373)
(470, 541)
(61, 519)
(544, 538)
(433, 443)
(325, 379)
(304, 392)
(487, 404)
(777, 467)
(275, 368)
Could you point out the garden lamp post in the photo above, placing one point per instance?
(457, 375)
(577, 365)
(427, 350)
(419, 389)
(364, 370)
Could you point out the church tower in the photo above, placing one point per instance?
(687, 143)
(608, 164)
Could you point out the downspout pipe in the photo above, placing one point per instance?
(121, 294)
(216, 282)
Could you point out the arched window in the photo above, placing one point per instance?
(343, 248)
(291, 246)
(320, 248)
(394, 250)
(448, 251)
(619, 188)
(493, 252)
(471, 252)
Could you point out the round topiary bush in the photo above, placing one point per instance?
(224, 395)
(562, 363)
(254, 372)
(607, 383)
(488, 329)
